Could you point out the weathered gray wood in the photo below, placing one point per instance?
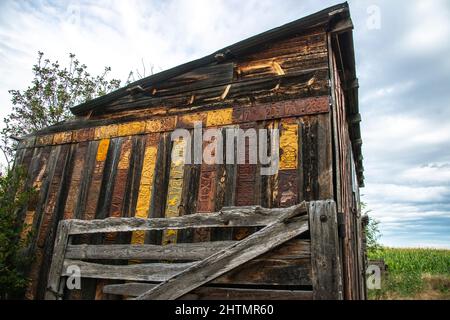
(269, 272)
(134, 272)
(334, 125)
(286, 265)
(325, 260)
(230, 217)
(260, 271)
(54, 277)
(286, 227)
(215, 293)
(180, 251)
(325, 156)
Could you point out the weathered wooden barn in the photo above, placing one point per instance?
(113, 161)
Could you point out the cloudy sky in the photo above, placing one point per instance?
(403, 65)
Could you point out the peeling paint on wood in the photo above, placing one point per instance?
(288, 146)
(131, 128)
(102, 150)
(219, 117)
(146, 185)
(106, 132)
(175, 189)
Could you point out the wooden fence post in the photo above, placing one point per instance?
(325, 260)
(54, 286)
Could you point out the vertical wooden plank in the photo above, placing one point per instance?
(146, 184)
(269, 184)
(325, 258)
(86, 179)
(162, 171)
(206, 197)
(245, 191)
(103, 208)
(189, 195)
(26, 164)
(43, 184)
(225, 186)
(134, 175)
(55, 207)
(54, 180)
(325, 157)
(300, 169)
(96, 180)
(25, 160)
(175, 189)
(109, 175)
(36, 175)
(54, 288)
(310, 163)
(287, 191)
(31, 163)
(245, 184)
(19, 156)
(94, 186)
(208, 182)
(118, 192)
(75, 181)
(335, 145)
(160, 185)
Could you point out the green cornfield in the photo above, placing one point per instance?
(413, 274)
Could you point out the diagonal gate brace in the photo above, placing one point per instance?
(288, 225)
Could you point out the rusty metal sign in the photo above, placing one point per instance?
(83, 135)
(281, 109)
(131, 128)
(288, 146)
(102, 150)
(161, 124)
(219, 117)
(188, 120)
(207, 190)
(105, 132)
(62, 137)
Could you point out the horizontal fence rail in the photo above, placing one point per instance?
(253, 216)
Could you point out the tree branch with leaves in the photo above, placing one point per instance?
(47, 101)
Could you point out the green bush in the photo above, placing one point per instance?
(13, 199)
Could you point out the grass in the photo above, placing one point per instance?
(413, 274)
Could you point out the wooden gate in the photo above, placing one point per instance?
(293, 254)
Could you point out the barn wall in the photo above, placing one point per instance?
(116, 160)
(132, 175)
(347, 192)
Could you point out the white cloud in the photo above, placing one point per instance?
(373, 96)
(431, 29)
(409, 194)
(431, 174)
(402, 135)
